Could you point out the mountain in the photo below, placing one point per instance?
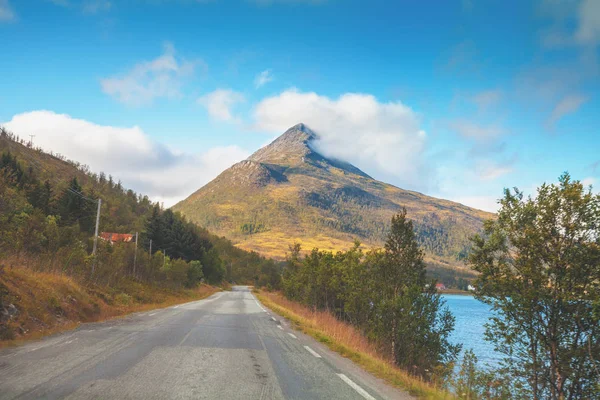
(288, 192)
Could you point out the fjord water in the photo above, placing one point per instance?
(471, 316)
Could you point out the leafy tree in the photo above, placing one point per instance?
(194, 274)
(539, 269)
(213, 268)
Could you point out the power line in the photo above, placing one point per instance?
(75, 192)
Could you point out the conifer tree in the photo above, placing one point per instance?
(413, 317)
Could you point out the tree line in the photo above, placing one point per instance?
(385, 293)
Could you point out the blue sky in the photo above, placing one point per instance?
(456, 99)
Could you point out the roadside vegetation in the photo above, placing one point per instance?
(350, 342)
(41, 303)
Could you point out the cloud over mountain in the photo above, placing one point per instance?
(127, 153)
(385, 139)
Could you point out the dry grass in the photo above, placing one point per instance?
(350, 343)
(275, 244)
(48, 303)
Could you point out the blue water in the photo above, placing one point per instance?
(471, 316)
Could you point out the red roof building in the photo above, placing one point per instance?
(440, 286)
(117, 237)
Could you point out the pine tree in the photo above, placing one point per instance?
(153, 230)
(414, 319)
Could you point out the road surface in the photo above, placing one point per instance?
(227, 346)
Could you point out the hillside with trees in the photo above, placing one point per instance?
(48, 210)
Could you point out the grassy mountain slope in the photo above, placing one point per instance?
(287, 192)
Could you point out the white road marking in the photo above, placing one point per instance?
(354, 386)
(258, 304)
(311, 351)
(279, 326)
(273, 318)
(292, 335)
(151, 314)
(185, 337)
(175, 306)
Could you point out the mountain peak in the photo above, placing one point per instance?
(302, 128)
(292, 146)
(295, 147)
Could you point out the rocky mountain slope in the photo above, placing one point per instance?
(287, 192)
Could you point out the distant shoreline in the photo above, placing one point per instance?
(456, 291)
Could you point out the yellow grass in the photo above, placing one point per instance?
(276, 244)
(48, 303)
(350, 343)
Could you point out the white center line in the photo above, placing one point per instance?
(354, 386)
(311, 351)
(185, 337)
(151, 314)
(292, 335)
(273, 318)
(279, 326)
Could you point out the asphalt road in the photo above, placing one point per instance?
(225, 347)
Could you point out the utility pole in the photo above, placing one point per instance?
(135, 254)
(96, 235)
(150, 248)
(31, 141)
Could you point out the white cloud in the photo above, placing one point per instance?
(487, 98)
(485, 203)
(384, 139)
(573, 23)
(488, 170)
(476, 132)
(6, 12)
(220, 103)
(588, 31)
(567, 105)
(161, 77)
(263, 78)
(126, 153)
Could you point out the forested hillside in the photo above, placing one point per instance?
(48, 209)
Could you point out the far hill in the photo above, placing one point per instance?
(288, 192)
